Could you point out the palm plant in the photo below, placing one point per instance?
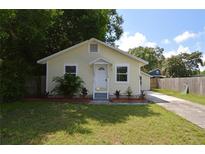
(68, 85)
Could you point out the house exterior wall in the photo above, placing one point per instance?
(145, 82)
(81, 57)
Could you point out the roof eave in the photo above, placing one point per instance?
(44, 60)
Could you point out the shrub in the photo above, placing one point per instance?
(117, 93)
(68, 85)
(129, 92)
(84, 92)
(12, 80)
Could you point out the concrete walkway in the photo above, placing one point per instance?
(193, 112)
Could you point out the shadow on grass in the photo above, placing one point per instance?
(27, 123)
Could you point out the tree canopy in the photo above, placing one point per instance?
(153, 55)
(175, 67)
(28, 35)
(183, 64)
(70, 27)
(33, 34)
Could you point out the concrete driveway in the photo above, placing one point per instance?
(192, 112)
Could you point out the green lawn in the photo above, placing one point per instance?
(190, 97)
(61, 123)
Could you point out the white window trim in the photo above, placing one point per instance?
(70, 65)
(128, 73)
(89, 47)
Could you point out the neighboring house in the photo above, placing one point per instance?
(156, 73)
(103, 68)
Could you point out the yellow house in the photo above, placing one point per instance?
(103, 68)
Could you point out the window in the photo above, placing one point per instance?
(122, 74)
(71, 70)
(93, 47)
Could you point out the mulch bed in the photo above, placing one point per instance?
(85, 100)
(59, 99)
(128, 100)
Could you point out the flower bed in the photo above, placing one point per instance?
(84, 99)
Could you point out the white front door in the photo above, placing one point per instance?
(100, 78)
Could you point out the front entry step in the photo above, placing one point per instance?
(100, 96)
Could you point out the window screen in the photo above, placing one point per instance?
(70, 70)
(93, 47)
(122, 73)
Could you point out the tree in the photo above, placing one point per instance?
(153, 55)
(33, 34)
(22, 37)
(192, 62)
(73, 26)
(114, 27)
(12, 78)
(175, 67)
(28, 35)
(183, 65)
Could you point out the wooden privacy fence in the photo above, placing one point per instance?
(35, 86)
(153, 83)
(196, 84)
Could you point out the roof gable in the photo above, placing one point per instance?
(100, 61)
(44, 60)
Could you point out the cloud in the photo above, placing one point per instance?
(184, 36)
(128, 41)
(169, 53)
(166, 41)
(180, 49)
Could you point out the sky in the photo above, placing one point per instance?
(174, 30)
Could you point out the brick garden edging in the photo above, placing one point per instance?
(128, 100)
(85, 100)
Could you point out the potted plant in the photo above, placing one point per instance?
(129, 92)
(84, 92)
(117, 94)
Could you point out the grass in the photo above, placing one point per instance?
(62, 123)
(190, 97)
